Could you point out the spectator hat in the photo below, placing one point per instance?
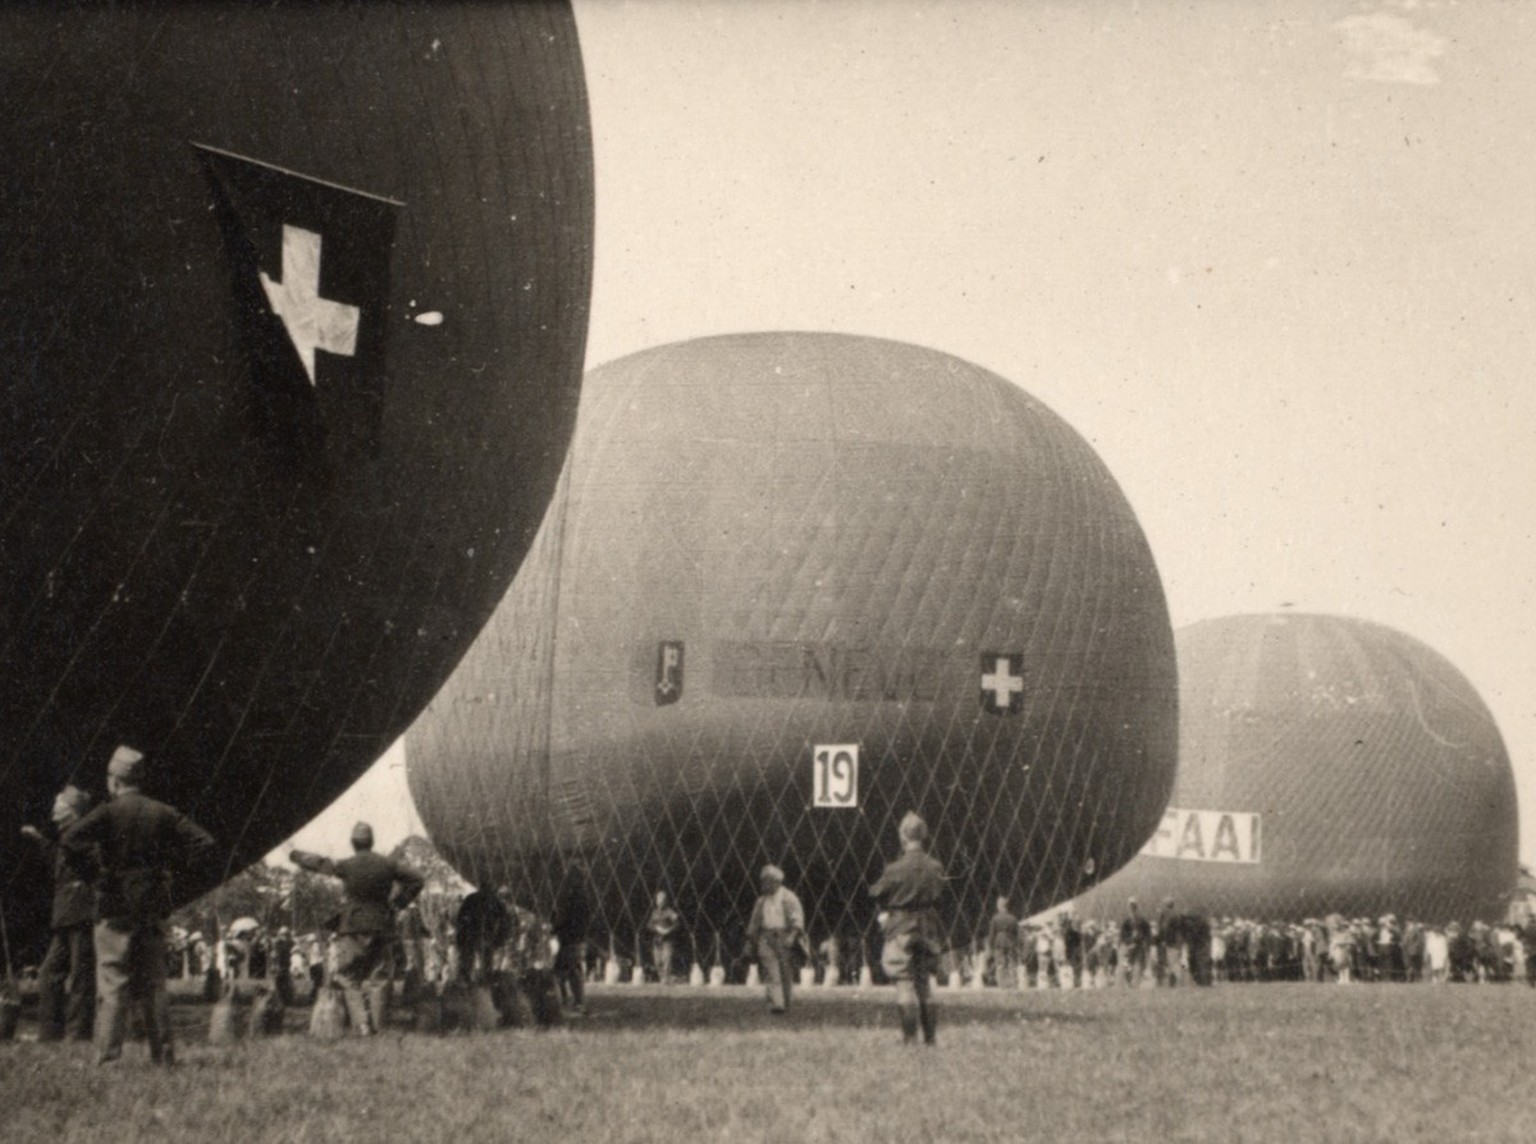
(126, 765)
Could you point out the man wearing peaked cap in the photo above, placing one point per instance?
(133, 846)
(375, 887)
(775, 930)
(909, 889)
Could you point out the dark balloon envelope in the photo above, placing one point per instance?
(296, 303)
(769, 552)
(1327, 764)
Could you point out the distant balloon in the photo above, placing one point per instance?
(1327, 764)
(793, 585)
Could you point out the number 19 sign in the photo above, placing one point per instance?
(835, 775)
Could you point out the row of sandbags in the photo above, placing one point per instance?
(502, 1001)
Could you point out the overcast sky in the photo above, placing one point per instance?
(1275, 261)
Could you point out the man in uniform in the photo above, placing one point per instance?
(573, 914)
(374, 887)
(775, 930)
(1003, 945)
(909, 889)
(410, 939)
(1195, 929)
(66, 978)
(662, 925)
(1135, 936)
(135, 845)
(1166, 946)
(483, 929)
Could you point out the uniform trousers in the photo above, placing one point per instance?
(130, 966)
(365, 964)
(66, 982)
(570, 967)
(1005, 968)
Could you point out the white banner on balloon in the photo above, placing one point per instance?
(1206, 836)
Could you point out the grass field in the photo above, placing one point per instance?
(1246, 1063)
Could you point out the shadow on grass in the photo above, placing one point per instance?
(738, 1007)
(728, 1008)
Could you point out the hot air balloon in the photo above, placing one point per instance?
(791, 586)
(1327, 765)
(296, 304)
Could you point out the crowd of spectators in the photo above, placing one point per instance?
(298, 965)
(1054, 953)
(1173, 947)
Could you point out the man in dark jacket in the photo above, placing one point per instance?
(67, 976)
(1166, 946)
(484, 928)
(135, 846)
(1195, 931)
(375, 887)
(572, 916)
(1135, 937)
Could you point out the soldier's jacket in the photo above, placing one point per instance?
(369, 881)
(910, 888)
(133, 846)
(1003, 936)
(74, 899)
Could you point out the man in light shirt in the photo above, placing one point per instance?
(777, 927)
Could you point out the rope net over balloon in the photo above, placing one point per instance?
(769, 548)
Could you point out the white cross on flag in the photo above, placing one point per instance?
(310, 277)
(312, 322)
(1002, 682)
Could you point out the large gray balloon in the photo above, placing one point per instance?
(768, 546)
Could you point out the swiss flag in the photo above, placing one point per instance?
(310, 274)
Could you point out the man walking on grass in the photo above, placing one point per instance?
(776, 929)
